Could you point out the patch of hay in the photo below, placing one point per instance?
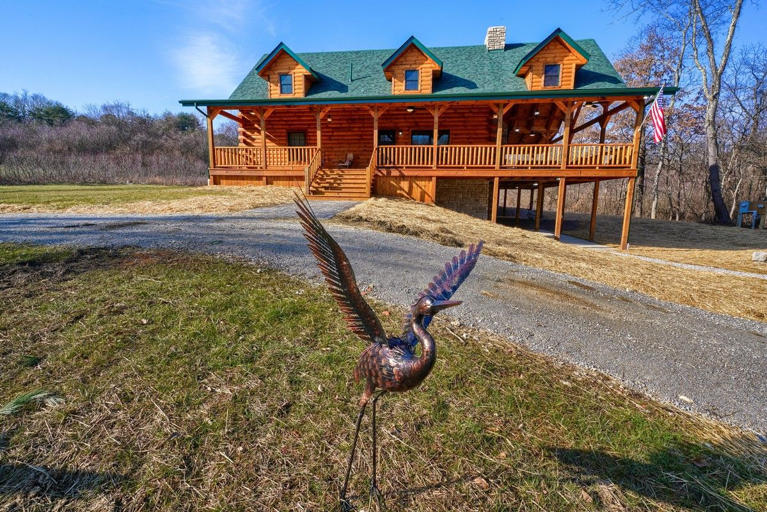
(732, 295)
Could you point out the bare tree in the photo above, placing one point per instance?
(711, 73)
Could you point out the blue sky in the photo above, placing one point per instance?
(152, 53)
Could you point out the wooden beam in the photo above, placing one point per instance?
(560, 207)
(318, 123)
(594, 202)
(566, 136)
(530, 206)
(494, 211)
(433, 189)
(263, 140)
(610, 113)
(637, 136)
(627, 213)
(539, 205)
(211, 144)
(435, 136)
(519, 198)
(499, 136)
(237, 119)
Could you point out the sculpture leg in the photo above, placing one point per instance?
(374, 491)
(345, 505)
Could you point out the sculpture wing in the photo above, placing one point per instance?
(444, 285)
(339, 275)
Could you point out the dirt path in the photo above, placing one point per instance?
(702, 361)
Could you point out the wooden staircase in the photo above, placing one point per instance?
(340, 184)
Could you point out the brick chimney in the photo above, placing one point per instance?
(495, 39)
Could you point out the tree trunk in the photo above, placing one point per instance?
(721, 215)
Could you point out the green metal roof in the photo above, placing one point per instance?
(468, 72)
(418, 44)
(557, 33)
(266, 59)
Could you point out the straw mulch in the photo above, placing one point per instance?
(737, 296)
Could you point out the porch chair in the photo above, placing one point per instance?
(348, 162)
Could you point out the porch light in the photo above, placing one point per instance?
(536, 113)
(330, 119)
(532, 135)
(516, 129)
(410, 109)
(495, 116)
(399, 133)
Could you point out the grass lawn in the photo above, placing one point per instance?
(137, 198)
(733, 295)
(190, 382)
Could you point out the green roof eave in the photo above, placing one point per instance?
(283, 47)
(557, 33)
(419, 98)
(418, 44)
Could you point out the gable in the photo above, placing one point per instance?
(284, 64)
(468, 71)
(555, 52)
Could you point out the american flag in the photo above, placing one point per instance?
(656, 116)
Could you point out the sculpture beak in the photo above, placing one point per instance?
(439, 305)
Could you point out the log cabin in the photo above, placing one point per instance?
(455, 126)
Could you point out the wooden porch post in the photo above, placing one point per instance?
(494, 211)
(519, 198)
(639, 108)
(530, 206)
(539, 206)
(263, 139)
(627, 213)
(566, 135)
(318, 121)
(560, 207)
(211, 143)
(436, 112)
(594, 201)
(499, 136)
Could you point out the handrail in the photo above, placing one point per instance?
(372, 165)
(406, 156)
(600, 155)
(310, 171)
(531, 155)
(466, 155)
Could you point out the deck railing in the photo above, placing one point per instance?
(531, 156)
(252, 157)
(466, 156)
(405, 156)
(600, 155)
(513, 156)
(310, 171)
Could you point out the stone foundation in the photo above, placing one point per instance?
(465, 195)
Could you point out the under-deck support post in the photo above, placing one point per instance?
(560, 207)
(494, 205)
(530, 206)
(627, 213)
(539, 205)
(594, 202)
(519, 198)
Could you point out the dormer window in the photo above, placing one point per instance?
(286, 84)
(411, 80)
(551, 75)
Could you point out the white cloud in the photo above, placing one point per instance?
(207, 64)
(208, 61)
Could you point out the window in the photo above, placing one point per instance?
(296, 138)
(411, 80)
(386, 138)
(551, 75)
(286, 84)
(426, 138)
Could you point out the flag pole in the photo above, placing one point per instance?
(657, 95)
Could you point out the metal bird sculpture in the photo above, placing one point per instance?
(388, 363)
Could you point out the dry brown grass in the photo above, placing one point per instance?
(737, 296)
(198, 383)
(683, 242)
(138, 199)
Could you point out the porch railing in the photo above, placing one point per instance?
(513, 156)
(531, 155)
(466, 156)
(600, 155)
(276, 156)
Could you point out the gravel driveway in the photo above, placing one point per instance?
(717, 363)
